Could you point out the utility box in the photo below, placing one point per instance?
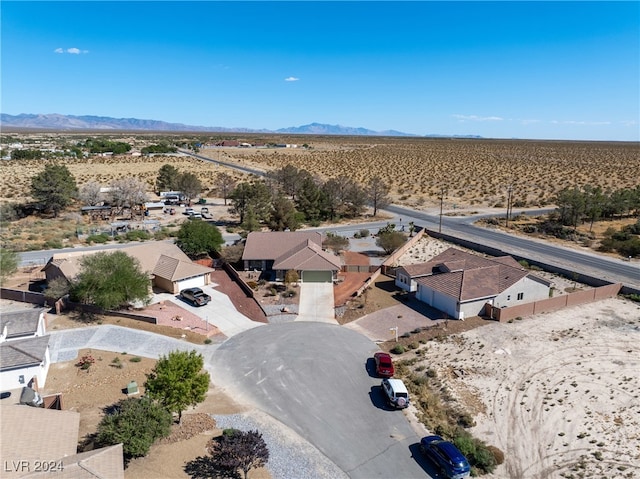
(132, 388)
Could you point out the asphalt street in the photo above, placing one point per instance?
(313, 377)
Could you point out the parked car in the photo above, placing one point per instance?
(204, 209)
(384, 366)
(396, 393)
(446, 456)
(188, 211)
(195, 296)
(195, 216)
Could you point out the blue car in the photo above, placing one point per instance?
(446, 456)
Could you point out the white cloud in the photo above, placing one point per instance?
(291, 79)
(629, 123)
(574, 122)
(477, 118)
(71, 51)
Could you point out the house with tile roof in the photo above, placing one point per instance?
(460, 284)
(169, 268)
(24, 348)
(274, 253)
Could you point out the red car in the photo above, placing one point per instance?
(384, 366)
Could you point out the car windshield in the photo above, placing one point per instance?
(401, 395)
(385, 362)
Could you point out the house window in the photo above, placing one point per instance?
(520, 296)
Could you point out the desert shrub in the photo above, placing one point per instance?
(498, 455)
(252, 284)
(397, 349)
(476, 451)
(161, 234)
(207, 341)
(100, 239)
(137, 235)
(116, 363)
(412, 346)
(135, 359)
(364, 233)
(53, 244)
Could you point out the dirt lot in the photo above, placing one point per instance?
(559, 393)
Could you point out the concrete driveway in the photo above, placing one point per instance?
(220, 311)
(316, 303)
(316, 379)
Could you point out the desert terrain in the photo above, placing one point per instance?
(559, 393)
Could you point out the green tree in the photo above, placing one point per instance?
(254, 196)
(110, 280)
(335, 242)
(390, 241)
(57, 288)
(283, 214)
(167, 178)
(26, 154)
(310, 200)
(8, 263)
(189, 184)
(197, 238)
(378, 193)
(178, 381)
(55, 188)
(136, 423)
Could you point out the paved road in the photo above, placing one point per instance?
(313, 378)
(609, 269)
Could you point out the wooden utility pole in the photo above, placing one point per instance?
(443, 192)
(509, 191)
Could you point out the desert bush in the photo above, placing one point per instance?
(397, 349)
(135, 359)
(252, 284)
(364, 233)
(137, 235)
(99, 239)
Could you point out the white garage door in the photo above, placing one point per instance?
(197, 281)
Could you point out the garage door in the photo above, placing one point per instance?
(316, 276)
(198, 281)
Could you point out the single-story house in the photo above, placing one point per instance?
(24, 348)
(168, 266)
(50, 437)
(280, 251)
(461, 284)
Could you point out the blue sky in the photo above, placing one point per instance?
(547, 70)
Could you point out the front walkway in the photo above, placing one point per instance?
(316, 303)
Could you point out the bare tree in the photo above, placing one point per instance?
(90, 193)
(378, 192)
(128, 192)
(225, 183)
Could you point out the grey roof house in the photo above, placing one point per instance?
(24, 348)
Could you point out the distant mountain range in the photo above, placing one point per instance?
(58, 122)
